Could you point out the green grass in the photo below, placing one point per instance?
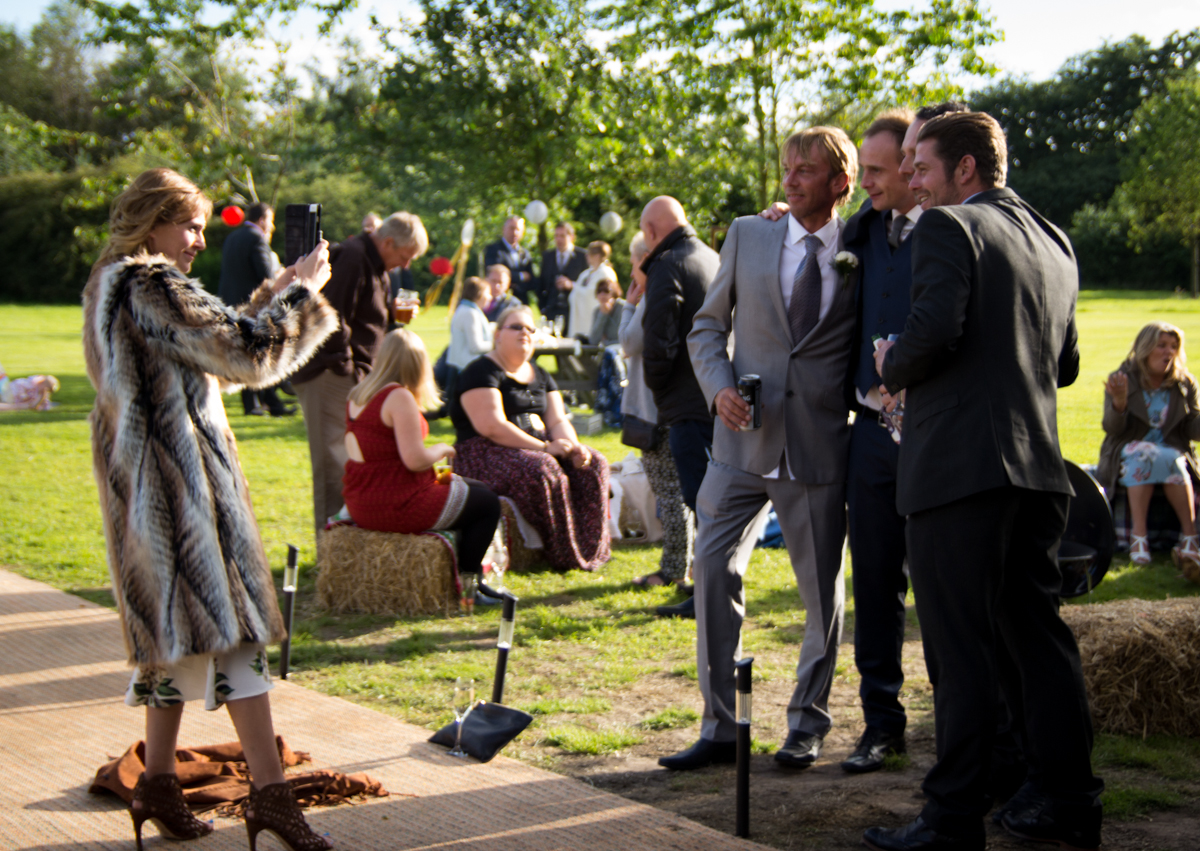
(584, 640)
(573, 739)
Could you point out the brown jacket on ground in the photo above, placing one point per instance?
(1180, 429)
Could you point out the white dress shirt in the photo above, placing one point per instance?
(794, 251)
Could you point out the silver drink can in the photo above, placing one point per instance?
(749, 387)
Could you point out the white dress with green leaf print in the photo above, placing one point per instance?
(240, 673)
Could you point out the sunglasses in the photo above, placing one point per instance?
(524, 328)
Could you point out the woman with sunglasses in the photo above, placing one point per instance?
(513, 434)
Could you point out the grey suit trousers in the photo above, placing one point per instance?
(813, 521)
(323, 401)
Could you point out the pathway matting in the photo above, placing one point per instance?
(62, 682)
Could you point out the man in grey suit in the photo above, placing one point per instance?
(989, 339)
(791, 317)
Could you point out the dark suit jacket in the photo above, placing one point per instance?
(551, 300)
(245, 264)
(990, 337)
(499, 252)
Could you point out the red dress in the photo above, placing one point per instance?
(381, 493)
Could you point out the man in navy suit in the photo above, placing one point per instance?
(560, 267)
(509, 252)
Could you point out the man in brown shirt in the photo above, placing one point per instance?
(358, 290)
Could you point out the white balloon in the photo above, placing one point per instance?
(610, 222)
(536, 212)
(468, 232)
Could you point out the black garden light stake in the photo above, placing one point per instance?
(743, 746)
(503, 643)
(289, 601)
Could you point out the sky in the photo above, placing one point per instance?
(1039, 34)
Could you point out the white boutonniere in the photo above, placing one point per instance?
(845, 264)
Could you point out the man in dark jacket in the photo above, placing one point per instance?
(561, 266)
(679, 268)
(358, 290)
(246, 262)
(990, 337)
(509, 252)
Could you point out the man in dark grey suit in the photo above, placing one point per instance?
(509, 252)
(792, 327)
(989, 339)
(560, 267)
(246, 262)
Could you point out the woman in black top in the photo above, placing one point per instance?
(514, 435)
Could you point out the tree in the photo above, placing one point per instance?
(769, 65)
(1067, 135)
(1163, 170)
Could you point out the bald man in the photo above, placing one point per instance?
(679, 268)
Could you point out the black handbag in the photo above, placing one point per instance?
(487, 728)
(638, 433)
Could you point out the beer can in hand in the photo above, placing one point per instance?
(749, 387)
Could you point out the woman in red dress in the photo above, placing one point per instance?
(390, 484)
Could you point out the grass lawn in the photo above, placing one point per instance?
(593, 625)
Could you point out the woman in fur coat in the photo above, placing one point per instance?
(191, 580)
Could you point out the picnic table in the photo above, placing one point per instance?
(578, 365)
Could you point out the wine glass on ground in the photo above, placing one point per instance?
(464, 698)
(498, 556)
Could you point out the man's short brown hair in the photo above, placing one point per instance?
(839, 151)
(970, 134)
(894, 121)
(568, 227)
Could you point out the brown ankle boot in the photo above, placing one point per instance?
(274, 808)
(159, 799)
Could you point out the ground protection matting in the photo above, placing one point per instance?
(62, 681)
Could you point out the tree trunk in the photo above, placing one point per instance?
(1196, 266)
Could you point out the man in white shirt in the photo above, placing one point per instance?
(792, 328)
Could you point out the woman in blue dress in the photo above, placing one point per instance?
(1151, 417)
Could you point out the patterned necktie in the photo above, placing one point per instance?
(896, 231)
(804, 308)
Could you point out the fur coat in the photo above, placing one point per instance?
(189, 573)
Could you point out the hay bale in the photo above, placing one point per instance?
(520, 556)
(384, 573)
(1141, 663)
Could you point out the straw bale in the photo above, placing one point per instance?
(384, 573)
(1141, 663)
(520, 557)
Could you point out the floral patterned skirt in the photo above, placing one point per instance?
(216, 678)
(568, 506)
(1147, 463)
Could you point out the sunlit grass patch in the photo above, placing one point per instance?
(575, 739)
(671, 718)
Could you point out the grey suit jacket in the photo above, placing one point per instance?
(803, 403)
(989, 339)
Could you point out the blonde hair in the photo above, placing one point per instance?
(600, 249)
(401, 359)
(502, 319)
(1143, 346)
(405, 230)
(157, 196)
(637, 247)
(840, 153)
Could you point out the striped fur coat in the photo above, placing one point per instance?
(188, 569)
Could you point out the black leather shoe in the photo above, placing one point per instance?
(286, 387)
(686, 609)
(918, 836)
(284, 411)
(256, 411)
(704, 752)
(1027, 798)
(1077, 830)
(872, 749)
(800, 750)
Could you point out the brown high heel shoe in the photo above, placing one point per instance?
(274, 808)
(162, 803)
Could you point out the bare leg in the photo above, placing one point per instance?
(1184, 503)
(252, 719)
(1139, 507)
(162, 733)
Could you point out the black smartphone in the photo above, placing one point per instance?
(302, 231)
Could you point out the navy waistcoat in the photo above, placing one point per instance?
(883, 295)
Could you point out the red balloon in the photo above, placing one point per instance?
(440, 266)
(233, 216)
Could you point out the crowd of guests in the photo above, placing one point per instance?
(945, 293)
